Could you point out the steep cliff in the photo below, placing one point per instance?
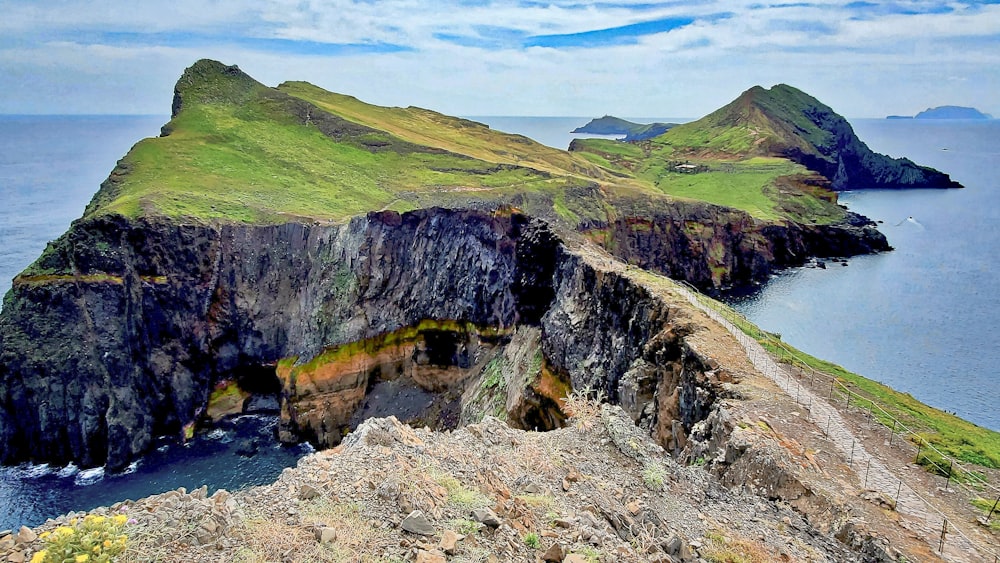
(153, 316)
(239, 259)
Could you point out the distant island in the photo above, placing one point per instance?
(946, 112)
(609, 125)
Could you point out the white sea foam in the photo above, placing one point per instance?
(32, 471)
(89, 476)
(68, 471)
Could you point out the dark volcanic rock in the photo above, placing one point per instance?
(712, 247)
(123, 329)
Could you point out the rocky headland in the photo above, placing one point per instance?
(297, 248)
(610, 125)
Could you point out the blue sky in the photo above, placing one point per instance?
(533, 57)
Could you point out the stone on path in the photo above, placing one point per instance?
(486, 516)
(554, 554)
(449, 542)
(417, 523)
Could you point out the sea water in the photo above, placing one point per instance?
(921, 318)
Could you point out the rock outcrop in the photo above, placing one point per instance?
(712, 247)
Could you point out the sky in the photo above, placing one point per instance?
(643, 58)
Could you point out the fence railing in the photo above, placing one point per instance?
(952, 470)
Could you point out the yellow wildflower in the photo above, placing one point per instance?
(73, 522)
(44, 535)
(97, 520)
(39, 556)
(63, 531)
(82, 558)
(107, 543)
(120, 520)
(97, 549)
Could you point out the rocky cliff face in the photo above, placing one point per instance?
(129, 329)
(713, 247)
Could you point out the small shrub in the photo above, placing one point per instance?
(723, 549)
(461, 496)
(94, 539)
(589, 553)
(538, 501)
(531, 540)
(583, 406)
(654, 476)
(493, 374)
(465, 527)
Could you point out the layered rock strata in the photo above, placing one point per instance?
(125, 330)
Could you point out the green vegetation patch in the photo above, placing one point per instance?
(239, 151)
(456, 135)
(399, 337)
(247, 164)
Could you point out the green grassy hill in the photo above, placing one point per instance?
(786, 122)
(237, 150)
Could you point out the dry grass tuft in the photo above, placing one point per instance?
(265, 539)
(724, 549)
(584, 407)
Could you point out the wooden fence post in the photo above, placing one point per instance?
(944, 530)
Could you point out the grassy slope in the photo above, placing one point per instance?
(240, 151)
(758, 123)
(461, 136)
(768, 188)
(263, 155)
(736, 146)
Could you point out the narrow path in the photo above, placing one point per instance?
(918, 514)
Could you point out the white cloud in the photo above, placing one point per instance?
(859, 66)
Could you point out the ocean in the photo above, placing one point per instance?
(920, 318)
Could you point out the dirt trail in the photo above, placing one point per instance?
(873, 474)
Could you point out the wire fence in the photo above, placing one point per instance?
(877, 477)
